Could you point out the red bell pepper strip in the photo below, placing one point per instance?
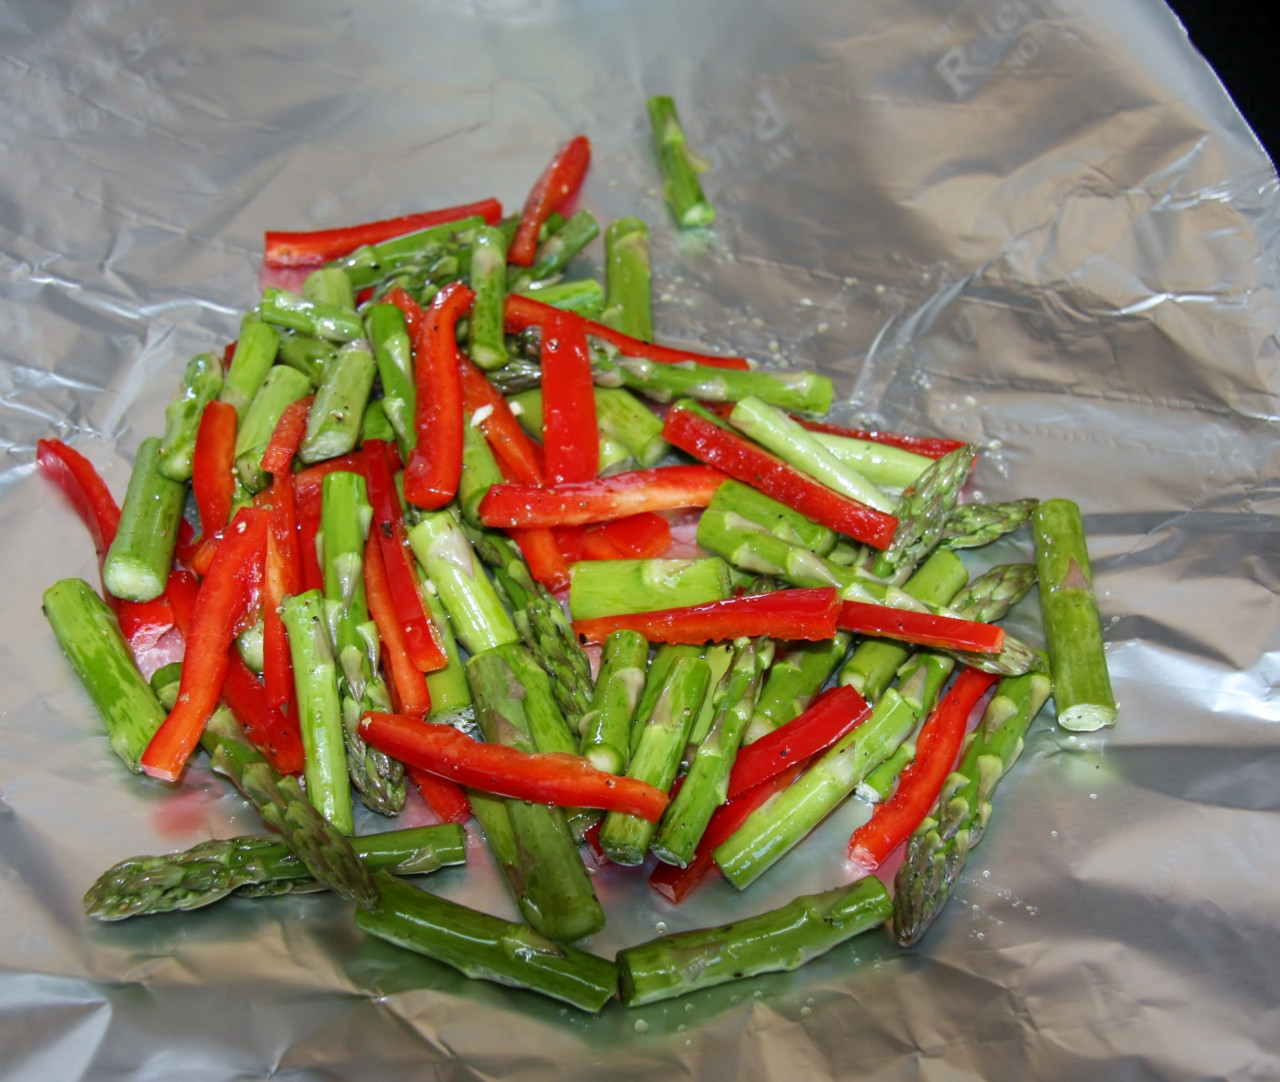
(308, 483)
(213, 480)
(833, 714)
(421, 642)
(311, 248)
(641, 537)
(921, 628)
(548, 778)
(84, 487)
(523, 312)
(282, 577)
(937, 749)
(519, 458)
(406, 681)
(227, 597)
(557, 184)
(570, 432)
(541, 551)
(274, 730)
(662, 488)
(446, 799)
(800, 614)
(675, 884)
(597, 546)
(277, 459)
(751, 464)
(435, 463)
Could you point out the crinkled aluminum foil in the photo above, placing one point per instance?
(1037, 224)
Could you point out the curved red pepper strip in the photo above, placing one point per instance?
(921, 628)
(213, 479)
(937, 749)
(546, 560)
(275, 731)
(407, 683)
(447, 799)
(226, 597)
(570, 432)
(435, 463)
(548, 778)
(832, 715)
(800, 614)
(523, 312)
(310, 249)
(277, 459)
(84, 487)
(519, 458)
(674, 883)
(558, 184)
(753, 465)
(662, 488)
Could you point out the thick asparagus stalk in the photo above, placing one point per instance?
(737, 499)
(393, 355)
(308, 355)
(488, 948)
(679, 166)
(627, 277)
(88, 633)
(211, 870)
(141, 556)
(555, 252)
(937, 850)
(609, 587)
(585, 296)
(628, 421)
(332, 322)
(780, 939)
(333, 425)
(280, 388)
(794, 681)
(255, 353)
(371, 264)
(606, 726)
(880, 463)
(1073, 629)
(486, 340)
(330, 285)
(201, 384)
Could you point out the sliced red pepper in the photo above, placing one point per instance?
(570, 432)
(832, 715)
(435, 463)
(282, 577)
(557, 184)
(311, 248)
(275, 731)
(801, 615)
(921, 628)
(662, 488)
(277, 459)
(519, 458)
(640, 537)
(523, 312)
(84, 487)
(541, 551)
(675, 883)
(422, 643)
(308, 483)
(597, 546)
(227, 596)
(548, 778)
(213, 479)
(446, 799)
(407, 683)
(937, 749)
(751, 464)
(569, 540)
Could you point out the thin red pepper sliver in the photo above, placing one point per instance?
(277, 459)
(556, 185)
(662, 488)
(832, 715)
(675, 884)
(274, 730)
(805, 614)
(570, 432)
(213, 479)
(446, 799)
(407, 683)
(523, 312)
(519, 458)
(226, 597)
(547, 778)
(753, 465)
(311, 248)
(937, 749)
(84, 487)
(435, 463)
(921, 628)
(541, 551)
(282, 577)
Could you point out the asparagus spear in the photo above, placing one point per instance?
(330, 285)
(609, 587)
(307, 354)
(211, 870)
(974, 524)
(794, 681)
(280, 388)
(922, 513)
(555, 252)
(486, 341)
(393, 355)
(606, 726)
(139, 559)
(627, 305)
(624, 418)
(1073, 629)
(333, 424)
(681, 189)
(255, 353)
(937, 850)
(332, 322)
(781, 939)
(201, 384)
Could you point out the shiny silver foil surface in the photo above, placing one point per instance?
(1040, 225)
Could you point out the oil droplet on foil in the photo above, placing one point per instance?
(641, 1026)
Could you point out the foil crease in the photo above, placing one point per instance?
(1040, 225)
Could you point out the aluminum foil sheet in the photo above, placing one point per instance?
(1037, 224)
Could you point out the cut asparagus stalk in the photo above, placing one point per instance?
(486, 340)
(330, 285)
(609, 587)
(734, 498)
(332, 322)
(393, 355)
(555, 252)
(794, 681)
(628, 421)
(141, 556)
(880, 463)
(255, 353)
(307, 354)
(371, 264)
(279, 389)
(679, 166)
(333, 425)
(627, 304)
(606, 726)
(201, 384)
(781, 939)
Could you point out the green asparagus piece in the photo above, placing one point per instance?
(201, 384)
(794, 680)
(719, 658)
(556, 251)
(737, 499)
(625, 838)
(922, 513)
(679, 166)
(664, 659)
(333, 423)
(614, 454)
(706, 784)
(308, 355)
(211, 870)
(480, 472)
(609, 587)
(141, 556)
(448, 687)
(493, 675)
(606, 726)
(627, 279)
(393, 355)
(486, 338)
(628, 421)
(974, 524)
(330, 285)
(880, 463)
(371, 264)
(280, 388)
(375, 425)
(781, 939)
(87, 631)
(487, 947)
(937, 850)
(585, 296)
(1073, 628)
(332, 322)
(255, 353)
